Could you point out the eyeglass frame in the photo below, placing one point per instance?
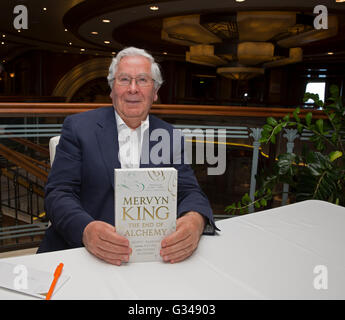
(131, 79)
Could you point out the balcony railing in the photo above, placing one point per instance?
(13, 109)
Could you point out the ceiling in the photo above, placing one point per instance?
(69, 26)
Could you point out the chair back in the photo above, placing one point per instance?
(53, 142)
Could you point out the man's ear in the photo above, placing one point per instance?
(155, 96)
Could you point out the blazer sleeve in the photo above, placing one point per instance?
(62, 191)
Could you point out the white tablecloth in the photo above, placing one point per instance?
(273, 254)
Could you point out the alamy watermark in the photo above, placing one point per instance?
(21, 21)
(321, 278)
(20, 281)
(163, 148)
(321, 20)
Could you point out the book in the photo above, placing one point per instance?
(145, 209)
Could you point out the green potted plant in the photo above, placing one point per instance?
(317, 173)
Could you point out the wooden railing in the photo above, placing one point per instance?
(13, 109)
(42, 150)
(23, 161)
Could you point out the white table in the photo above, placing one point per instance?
(266, 255)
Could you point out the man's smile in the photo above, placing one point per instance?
(133, 101)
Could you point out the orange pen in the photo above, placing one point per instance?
(57, 274)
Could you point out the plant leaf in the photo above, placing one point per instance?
(271, 121)
(334, 155)
(230, 208)
(263, 202)
(308, 118)
(295, 114)
(319, 125)
(273, 139)
(246, 199)
(267, 127)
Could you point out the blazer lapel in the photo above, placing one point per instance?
(107, 138)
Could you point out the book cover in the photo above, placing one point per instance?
(145, 209)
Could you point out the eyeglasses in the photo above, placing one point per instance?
(141, 80)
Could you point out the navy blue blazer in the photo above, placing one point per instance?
(80, 186)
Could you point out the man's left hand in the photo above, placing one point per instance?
(182, 243)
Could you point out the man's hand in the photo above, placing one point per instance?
(101, 239)
(182, 243)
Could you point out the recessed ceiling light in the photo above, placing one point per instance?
(113, 53)
(82, 49)
(18, 30)
(94, 32)
(44, 9)
(106, 21)
(106, 42)
(330, 53)
(154, 8)
(2, 42)
(66, 30)
(4, 36)
(12, 75)
(239, 0)
(165, 52)
(70, 43)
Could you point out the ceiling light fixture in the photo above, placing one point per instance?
(66, 30)
(154, 8)
(94, 32)
(240, 0)
(82, 49)
(44, 9)
(330, 53)
(106, 42)
(339, 0)
(106, 21)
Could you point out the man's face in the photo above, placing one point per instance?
(133, 102)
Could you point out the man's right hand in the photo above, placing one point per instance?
(101, 239)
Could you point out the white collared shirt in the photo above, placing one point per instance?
(130, 142)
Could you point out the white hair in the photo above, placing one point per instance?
(132, 51)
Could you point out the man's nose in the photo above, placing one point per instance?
(133, 87)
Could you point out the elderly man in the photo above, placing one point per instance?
(79, 197)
